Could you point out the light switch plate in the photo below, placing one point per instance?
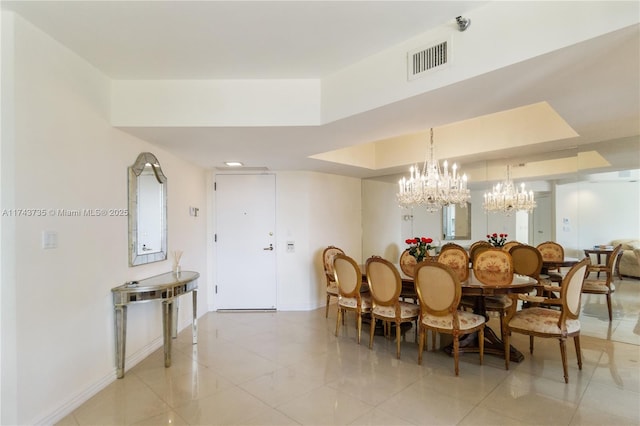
(49, 240)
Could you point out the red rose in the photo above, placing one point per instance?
(408, 241)
(495, 235)
(488, 236)
(424, 240)
(428, 240)
(502, 235)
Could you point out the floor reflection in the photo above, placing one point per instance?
(289, 368)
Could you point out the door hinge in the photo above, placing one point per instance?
(215, 238)
(215, 186)
(216, 289)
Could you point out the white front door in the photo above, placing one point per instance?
(245, 234)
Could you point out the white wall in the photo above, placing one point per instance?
(382, 225)
(596, 213)
(314, 210)
(215, 102)
(56, 304)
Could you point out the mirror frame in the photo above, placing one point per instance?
(458, 208)
(135, 171)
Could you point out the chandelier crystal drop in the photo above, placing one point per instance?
(506, 198)
(432, 187)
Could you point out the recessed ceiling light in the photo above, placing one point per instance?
(233, 163)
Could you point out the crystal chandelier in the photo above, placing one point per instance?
(506, 198)
(431, 187)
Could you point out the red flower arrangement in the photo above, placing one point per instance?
(419, 247)
(497, 240)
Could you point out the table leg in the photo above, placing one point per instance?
(194, 324)
(120, 319)
(167, 321)
(174, 318)
(493, 344)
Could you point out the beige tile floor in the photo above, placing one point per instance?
(288, 368)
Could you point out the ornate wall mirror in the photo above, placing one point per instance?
(147, 211)
(456, 222)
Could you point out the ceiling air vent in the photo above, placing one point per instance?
(424, 60)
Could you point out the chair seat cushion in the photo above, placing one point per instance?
(597, 286)
(541, 320)
(496, 303)
(467, 320)
(407, 310)
(352, 302)
(332, 289)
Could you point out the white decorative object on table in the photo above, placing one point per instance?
(177, 254)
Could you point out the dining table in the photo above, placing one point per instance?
(477, 286)
(553, 264)
(480, 287)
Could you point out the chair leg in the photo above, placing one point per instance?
(433, 340)
(456, 349)
(372, 329)
(398, 340)
(609, 306)
(507, 350)
(481, 344)
(326, 312)
(359, 324)
(576, 342)
(563, 354)
(338, 320)
(421, 338)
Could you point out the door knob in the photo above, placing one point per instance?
(270, 248)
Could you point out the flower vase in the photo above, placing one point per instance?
(176, 269)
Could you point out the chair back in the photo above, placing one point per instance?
(438, 288)
(456, 258)
(384, 280)
(327, 259)
(347, 275)
(408, 263)
(551, 251)
(476, 248)
(527, 260)
(509, 244)
(571, 290)
(448, 246)
(493, 266)
(612, 263)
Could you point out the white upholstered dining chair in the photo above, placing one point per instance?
(348, 278)
(385, 286)
(327, 260)
(439, 291)
(537, 321)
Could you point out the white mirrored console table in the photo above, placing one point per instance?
(164, 287)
